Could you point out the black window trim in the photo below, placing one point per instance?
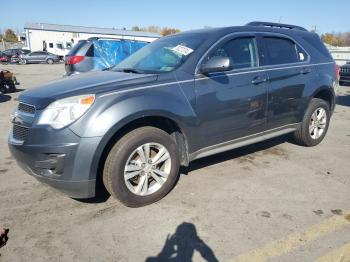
(224, 40)
(282, 36)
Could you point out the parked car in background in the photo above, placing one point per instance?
(99, 53)
(345, 74)
(12, 55)
(4, 59)
(180, 98)
(39, 57)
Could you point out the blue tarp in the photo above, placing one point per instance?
(108, 53)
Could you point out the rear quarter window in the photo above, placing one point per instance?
(316, 43)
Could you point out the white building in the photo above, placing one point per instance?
(340, 54)
(59, 39)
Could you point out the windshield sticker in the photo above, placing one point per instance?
(183, 50)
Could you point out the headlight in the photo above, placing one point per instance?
(65, 111)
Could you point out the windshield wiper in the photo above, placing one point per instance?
(129, 70)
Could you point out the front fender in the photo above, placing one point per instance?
(111, 113)
(114, 111)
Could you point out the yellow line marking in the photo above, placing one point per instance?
(341, 254)
(293, 241)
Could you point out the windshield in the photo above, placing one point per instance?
(162, 55)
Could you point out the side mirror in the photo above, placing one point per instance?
(216, 64)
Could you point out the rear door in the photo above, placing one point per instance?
(288, 68)
(42, 56)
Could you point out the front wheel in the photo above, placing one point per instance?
(142, 167)
(315, 123)
(49, 61)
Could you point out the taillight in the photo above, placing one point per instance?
(337, 71)
(72, 60)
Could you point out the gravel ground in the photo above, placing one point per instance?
(271, 201)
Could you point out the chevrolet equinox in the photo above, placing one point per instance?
(180, 98)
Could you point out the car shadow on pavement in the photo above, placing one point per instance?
(4, 98)
(181, 246)
(235, 153)
(343, 100)
(102, 195)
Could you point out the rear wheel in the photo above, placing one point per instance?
(142, 167)
(23, 61)
(315, 123)
(49, 61)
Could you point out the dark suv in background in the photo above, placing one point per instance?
(345, 74)
(180, 98)
(99, 53)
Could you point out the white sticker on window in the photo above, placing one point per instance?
(301, 57)
(183, 50)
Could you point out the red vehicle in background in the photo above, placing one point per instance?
(12, 55)
(4, 59)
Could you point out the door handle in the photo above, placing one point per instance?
(258, 80)
(305, 71)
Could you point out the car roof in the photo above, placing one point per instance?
(249, 28)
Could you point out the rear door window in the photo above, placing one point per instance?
(282, 51)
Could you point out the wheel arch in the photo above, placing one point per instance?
(161, 121)
(327, 94)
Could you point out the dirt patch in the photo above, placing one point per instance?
(288, 217)
(277, 151)
(337, 212)
(347, 217)
(318, 212)
(247, 159)
(264, 214)
(4, 170)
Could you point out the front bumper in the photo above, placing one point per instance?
(60, 159)
(344, 78)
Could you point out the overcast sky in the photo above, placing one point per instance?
(326, 15)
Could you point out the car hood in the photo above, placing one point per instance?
(88, 83)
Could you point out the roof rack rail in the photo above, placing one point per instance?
(278, 25)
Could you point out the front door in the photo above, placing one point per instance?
(232, 104)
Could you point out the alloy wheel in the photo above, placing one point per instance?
(147, 169)
(318, 123)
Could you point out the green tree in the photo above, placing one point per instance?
(10, 36)
(156, 29)
(169, 31)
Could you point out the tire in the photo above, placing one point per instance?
(23, 61)
(2, 89)
(12, 87)
(125, 149)
(49, 61)
(303, 136)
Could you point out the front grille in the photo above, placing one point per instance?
(345, 70)
(20, 132)
(26, 108)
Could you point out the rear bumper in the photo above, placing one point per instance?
(66, 167)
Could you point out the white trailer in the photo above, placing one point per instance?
(59, 39)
